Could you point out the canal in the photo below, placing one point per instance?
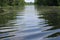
(30, 22)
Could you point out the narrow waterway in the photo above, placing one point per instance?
(31, 22)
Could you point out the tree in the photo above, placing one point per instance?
(48, 2)
(11, 2)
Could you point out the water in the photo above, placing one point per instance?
(30, 22)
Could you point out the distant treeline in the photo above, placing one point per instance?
(11, 2)
(48, 2)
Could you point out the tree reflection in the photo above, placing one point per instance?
(53, 16)
(5, 17)
(7, 21)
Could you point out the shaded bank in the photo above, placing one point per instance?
(47, 2)
(6, 4)
(11, 2)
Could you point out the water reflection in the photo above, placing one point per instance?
(7, 21)
(30, 22)
(35, 26)
(53, 16)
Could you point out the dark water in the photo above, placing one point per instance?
(30, 22)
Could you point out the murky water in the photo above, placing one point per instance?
(31, 22)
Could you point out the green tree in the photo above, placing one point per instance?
(11, 2)
(48, 2)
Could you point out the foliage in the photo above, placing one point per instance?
(11, 2)
(48, 2)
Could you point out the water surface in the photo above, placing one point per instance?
(30, 22)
